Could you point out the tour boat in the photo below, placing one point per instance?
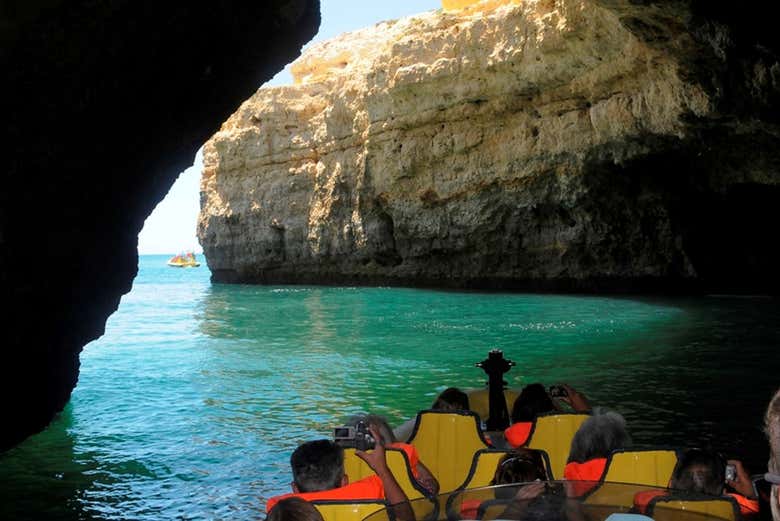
(184, 260)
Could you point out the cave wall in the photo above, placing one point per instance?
(104, 104)
(566, 145)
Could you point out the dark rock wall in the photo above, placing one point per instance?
(104, 104)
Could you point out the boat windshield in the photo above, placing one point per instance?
(565, 501)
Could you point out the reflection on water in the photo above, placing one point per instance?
(191, 403)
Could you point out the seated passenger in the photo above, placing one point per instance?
(450, 399)
(704, 472)
(596, 438)
(533, 401)
(318, 473)
(517, 466)
(420, 472)
(520, 466)
(294, 509)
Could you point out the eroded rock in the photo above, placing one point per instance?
(104, 104)
(568, 144)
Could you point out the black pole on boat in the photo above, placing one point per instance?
(495, 365)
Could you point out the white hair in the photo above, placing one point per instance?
(599, 435)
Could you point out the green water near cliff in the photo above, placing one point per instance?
(189, 406)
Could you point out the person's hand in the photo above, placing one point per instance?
(743, 484)
(530, 491)
(574, 399)
(376, 458)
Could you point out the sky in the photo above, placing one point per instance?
(171, 226)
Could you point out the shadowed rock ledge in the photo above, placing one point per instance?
(575, 145)
(104, 104)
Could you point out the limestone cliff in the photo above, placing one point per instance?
(561, 144)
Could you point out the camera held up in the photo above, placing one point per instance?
(357, 437)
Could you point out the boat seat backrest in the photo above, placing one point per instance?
(483, 468)
(357, 510)
(398, 463)
(446, 443)
(553, 433)
(672, 508)
(484, 464)
(651, 467)
(479, 401)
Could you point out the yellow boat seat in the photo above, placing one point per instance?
(398, 463)
(651, 467)
(333, 510)
(479, 401)
(553, 433)
(668, 508)
(446, 443)
(484, 464)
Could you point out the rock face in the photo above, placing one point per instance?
(104, 104)
(546, 144)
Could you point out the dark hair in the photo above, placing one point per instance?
(701, 471)
(451, 399)
(533, 400)
(520, 466)
(317, 465)
(599, 435)
(294, 509)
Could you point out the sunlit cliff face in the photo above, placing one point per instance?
(572, 144)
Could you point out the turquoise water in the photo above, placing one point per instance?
(190, 404)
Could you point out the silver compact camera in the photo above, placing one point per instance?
(357, 437)
(731, 473)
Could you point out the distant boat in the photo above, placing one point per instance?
(183, 260)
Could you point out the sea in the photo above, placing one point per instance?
(190, 404)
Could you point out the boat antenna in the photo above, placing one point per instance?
(495, 365)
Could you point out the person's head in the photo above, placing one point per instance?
(532, 401)
(380, 422)
(317, 465)
(700, 471)
(294, 509)
(520, 466)
(451, 399)
(599, 435)
(772, 427)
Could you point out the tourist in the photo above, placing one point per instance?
(772, 427)
(533, 401)
(420, 472)
(294, 509)
(318, 474)
(450, 399)
(596, 438)
(518, 466)
(704, 472)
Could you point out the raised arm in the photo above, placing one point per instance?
(394, 494)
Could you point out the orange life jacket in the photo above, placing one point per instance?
(411, 453)
(590, 471)
(644, 497)
(747, 506)
(517, 434)
(469, 508)
(366, 488)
